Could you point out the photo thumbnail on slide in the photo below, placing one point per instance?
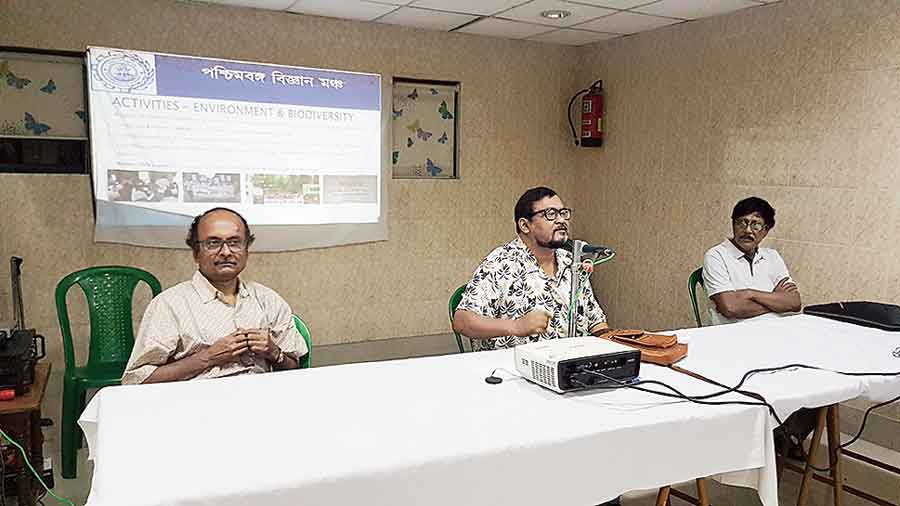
(142, 186)
(212, 188)
(284, 189)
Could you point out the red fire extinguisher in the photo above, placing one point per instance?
(591, 116)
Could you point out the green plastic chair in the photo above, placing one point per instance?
(305, 360)
(696, 279)
(454, 302)
(109, 291)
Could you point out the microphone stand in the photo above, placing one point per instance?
(578, 256)
(577, 253)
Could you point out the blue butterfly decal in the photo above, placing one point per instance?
(422, 134)
(415, 94)
(81, 115)
(395, 157)
(396, 113)
(434, 91)
(433, 170)
(409, 142)
(443, 138)
(15, 81)
(50, 87)
(445, 113)
(34, 126)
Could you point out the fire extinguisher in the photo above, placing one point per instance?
(591, 116)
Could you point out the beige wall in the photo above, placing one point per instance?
(797, 102)
(512, 136)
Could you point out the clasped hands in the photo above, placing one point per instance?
(256, 342)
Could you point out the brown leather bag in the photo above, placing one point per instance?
(660, 349)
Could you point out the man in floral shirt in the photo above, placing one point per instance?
(520, 293)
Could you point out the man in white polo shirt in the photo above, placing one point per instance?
(742, 279)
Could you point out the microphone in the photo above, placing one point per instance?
(589, 248)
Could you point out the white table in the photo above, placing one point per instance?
(412, 432)
(724, 353)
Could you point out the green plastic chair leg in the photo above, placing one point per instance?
(82, 402)
(69, 429)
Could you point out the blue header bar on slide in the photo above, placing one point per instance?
(142, 73)
(178, 76)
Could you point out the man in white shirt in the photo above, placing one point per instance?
(215, 324)
(742, 279)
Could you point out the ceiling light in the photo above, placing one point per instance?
(555, 14)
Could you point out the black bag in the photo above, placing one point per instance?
(868, 314)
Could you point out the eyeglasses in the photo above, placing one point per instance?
(756, 226)
(215, 245)
(551, 213)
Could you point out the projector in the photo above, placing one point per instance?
(567, 364)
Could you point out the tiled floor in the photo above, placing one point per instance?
(879, 483)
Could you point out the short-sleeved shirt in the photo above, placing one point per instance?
(192, 315)
(726, 269)
(510, 283)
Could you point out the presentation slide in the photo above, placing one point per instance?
(173, 136)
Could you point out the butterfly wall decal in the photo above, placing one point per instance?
(422, 134)
(445, 113)
(434, 91)
(433, 170)
(395, 157)
(50, 87)
(35, 126)
(81, 115)
(409, 142)
(396, 113)
(414, 95)
(443, 138)
(16, 81)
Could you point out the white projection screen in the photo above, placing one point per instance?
(300, 152)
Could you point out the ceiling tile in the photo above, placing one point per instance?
(277, 5)
(349, 9)
(572, 37)
(502, 28)
(627, 22)
(615, 4)
(694, 9)
(428, 19)
(531, 12)
(480, 7)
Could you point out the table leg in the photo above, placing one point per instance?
(834, 453)
(810, 458)
(662, 497)
(701, 492)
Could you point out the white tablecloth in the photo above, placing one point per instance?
(724, 353)
(411, 432)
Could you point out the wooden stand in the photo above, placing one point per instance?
(20, 419)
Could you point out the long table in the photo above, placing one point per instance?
(412, 432)
(724, 354)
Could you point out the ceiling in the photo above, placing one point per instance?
(587, 21)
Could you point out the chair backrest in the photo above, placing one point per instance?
(696, 279)
(454, 301)
(109, 291)
(305, 360)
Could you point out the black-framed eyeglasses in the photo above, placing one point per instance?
(215, 245)
(551, 213)
(756, 226)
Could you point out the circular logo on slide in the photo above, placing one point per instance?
(123, 72)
